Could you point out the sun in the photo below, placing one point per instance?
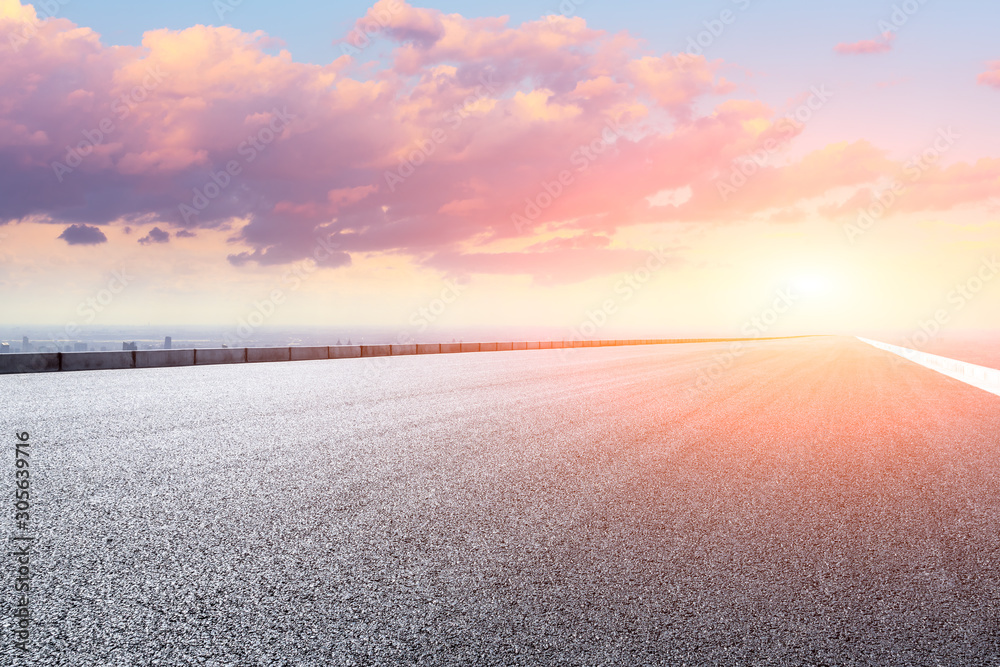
(812, 285)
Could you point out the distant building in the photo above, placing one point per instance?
(129, 347)
(167, 343)
(4, 348)
(79, 347)
(25, 345)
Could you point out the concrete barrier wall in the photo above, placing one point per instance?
(73, 361)
(41, 362)
(308, 353)
(163, 358)
(96, 361)
(230, 355)
(261, 354)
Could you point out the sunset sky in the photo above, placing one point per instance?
(677, 168)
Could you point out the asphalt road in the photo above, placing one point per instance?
(818, 502)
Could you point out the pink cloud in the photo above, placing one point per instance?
(866, 46)
(991, 77)
(443, 147)
(476, 132)
(925, 187)
(549, 266)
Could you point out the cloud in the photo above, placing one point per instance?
(434, 152)
(930, 187)
(470, 133)
(549, 266)
(83, 235)
(867, 46)
(991, 77)
(184, 234)
(155, 235)
(782, 187)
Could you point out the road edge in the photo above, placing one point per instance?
(981, 377)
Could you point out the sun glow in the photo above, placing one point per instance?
(813, 285)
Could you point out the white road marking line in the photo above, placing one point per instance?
(981, 377)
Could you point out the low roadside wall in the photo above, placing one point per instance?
(345, 351)
(163, 358)
(260, 354)
(309, 353)
(97, 361)
(42, 362)
(223, 355)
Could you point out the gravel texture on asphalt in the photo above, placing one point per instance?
(814, 502)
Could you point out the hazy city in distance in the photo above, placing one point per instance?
(44, 339)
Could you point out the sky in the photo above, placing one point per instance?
(737, 167)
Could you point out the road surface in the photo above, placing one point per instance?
(810, 501)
